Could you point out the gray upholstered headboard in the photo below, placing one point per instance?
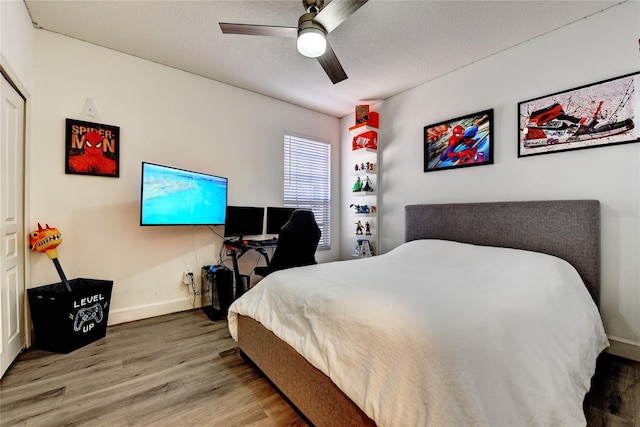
(568, 229)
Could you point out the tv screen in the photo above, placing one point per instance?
(244, 221)
(277, 217)
(172, 196)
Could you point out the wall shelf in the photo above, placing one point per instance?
(365, 150)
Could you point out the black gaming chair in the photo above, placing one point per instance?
(297, 243)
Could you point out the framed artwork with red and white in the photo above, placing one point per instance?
(595, 115)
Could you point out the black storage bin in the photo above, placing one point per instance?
(217, 291)
(64, 321)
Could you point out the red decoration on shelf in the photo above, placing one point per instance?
(362, 114)
(365, 140)
(372, 121)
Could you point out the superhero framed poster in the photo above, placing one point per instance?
(594, 115)
(460, 142)
(92, 149)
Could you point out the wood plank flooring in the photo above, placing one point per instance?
(183, 369)
(180, 369)
(614, 398)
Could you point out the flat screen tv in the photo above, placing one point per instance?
(277, 217)
(172, 196)
(244, 221)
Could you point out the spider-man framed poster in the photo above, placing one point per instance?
(595, 115)
(460, 142)
(92, 149)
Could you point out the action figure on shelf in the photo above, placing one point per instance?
(363, 248)
(359, 227)
(368, 166)
(362, 209)
(358, 185)
(367, 185)
(357, 208)
(367, 228)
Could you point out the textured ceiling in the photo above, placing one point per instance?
(385, 47)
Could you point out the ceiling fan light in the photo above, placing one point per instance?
(312, 42)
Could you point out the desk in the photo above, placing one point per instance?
(241, 247)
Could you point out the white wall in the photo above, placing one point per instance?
(165, 116)
(16, 43)
(594, 49)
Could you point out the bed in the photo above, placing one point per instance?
(487, 315)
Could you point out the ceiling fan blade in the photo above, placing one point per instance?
(258, 30)
(336, 12)
(331, 66)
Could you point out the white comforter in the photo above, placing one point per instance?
(442, 334)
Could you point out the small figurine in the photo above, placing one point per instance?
(367, 185)
(367, 228)
(359, 227)
(363, 209)
(358, 185)
(368, 166)
(363, 248)
(360, 209)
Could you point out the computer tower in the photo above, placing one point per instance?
(217, 291)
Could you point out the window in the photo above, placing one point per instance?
(307, 179)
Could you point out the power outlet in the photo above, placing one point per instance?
(187, 277)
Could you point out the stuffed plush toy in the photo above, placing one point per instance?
(47, 240)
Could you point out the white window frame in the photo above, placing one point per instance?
(307, 180)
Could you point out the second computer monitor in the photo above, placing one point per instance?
(244, 221)
(277, 217)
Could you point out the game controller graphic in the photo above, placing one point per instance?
(87, 314)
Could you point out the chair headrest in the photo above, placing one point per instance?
(300, 219)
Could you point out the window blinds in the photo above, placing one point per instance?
(307, 179)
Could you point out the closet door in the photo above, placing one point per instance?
(12, 238)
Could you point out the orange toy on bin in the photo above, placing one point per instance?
(47, 240)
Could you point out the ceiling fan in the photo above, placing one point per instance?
(312, 30)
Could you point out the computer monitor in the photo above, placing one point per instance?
(244, 221)
(277, 217)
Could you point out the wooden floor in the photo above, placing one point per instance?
(614, 398)
(185, 370)
(180, 369)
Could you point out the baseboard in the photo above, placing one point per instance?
(624, 348)
(131, 314)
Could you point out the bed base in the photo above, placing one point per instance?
(308, 389)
